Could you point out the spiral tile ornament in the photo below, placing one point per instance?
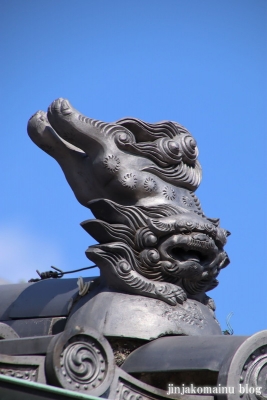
(83, 361)
(246, 372)
(80, 361)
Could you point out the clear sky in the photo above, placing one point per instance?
(200, 63)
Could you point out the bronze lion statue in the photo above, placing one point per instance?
(139, 180)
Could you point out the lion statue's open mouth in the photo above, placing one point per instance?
(195, 250)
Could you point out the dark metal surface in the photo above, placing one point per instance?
(37, 326)
(135, 316)
(26, 346)
(48, 298)
(8, 295)
(183, 353)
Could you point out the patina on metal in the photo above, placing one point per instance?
(146, 322)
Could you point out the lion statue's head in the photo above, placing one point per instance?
(139, 181)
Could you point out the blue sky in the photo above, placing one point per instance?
(200, 63)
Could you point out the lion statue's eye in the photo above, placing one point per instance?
(209, 227)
